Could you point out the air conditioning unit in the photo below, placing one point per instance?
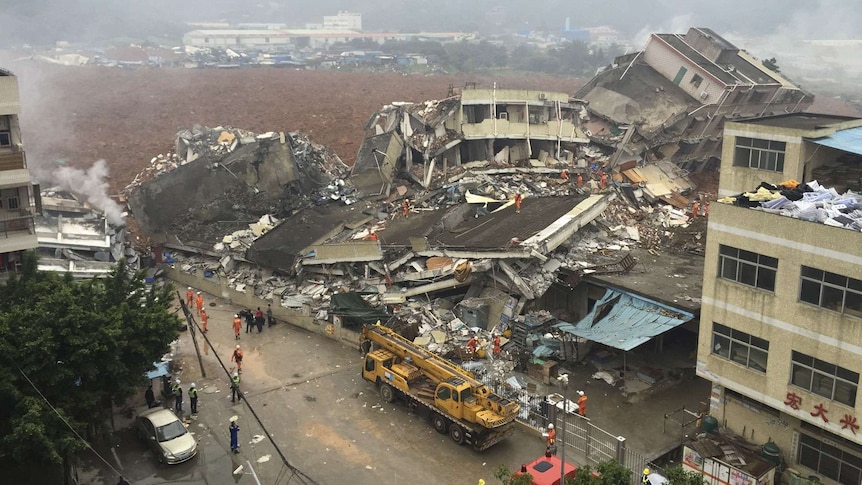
(704, 95)
(503, 115)
(542, 96)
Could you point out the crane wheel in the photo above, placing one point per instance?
(439, 423)
(456, 432)
(386, 392)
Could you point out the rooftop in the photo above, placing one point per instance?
(799, 121)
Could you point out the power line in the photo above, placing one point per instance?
(193, 323)
(67, 422)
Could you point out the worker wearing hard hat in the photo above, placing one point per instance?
(190, 295)
(237, 326)
(551, 436)
(645, 477)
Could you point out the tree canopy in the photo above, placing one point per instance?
(77, 345)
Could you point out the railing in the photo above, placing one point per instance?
(16, 223)
(12, 161)
(585, 442)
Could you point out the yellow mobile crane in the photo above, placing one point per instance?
(454, 401)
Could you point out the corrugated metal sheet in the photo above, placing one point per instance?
(849, 140)
(625, 321)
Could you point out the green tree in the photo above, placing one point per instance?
(680, 476)
(771, 64)
(606, 473)
(506, 478)
(77, 346)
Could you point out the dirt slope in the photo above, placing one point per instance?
(82, 114)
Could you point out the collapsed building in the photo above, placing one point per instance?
(670, 100)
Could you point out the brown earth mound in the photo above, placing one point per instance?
(82, 114)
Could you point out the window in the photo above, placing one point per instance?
(444, 393)
(739, 347)
(831, 291)
(12, 203)
(821, 377)
(696, 80)
(830, 461)
(5, 139)
(746, 267)
(759, 154)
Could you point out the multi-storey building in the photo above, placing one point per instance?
(680, 89)
(343, 21)
(781, 318)
(17, 194)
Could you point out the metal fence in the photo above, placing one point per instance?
(585, 442)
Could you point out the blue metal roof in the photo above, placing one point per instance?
(849, 140)
(624, 321)
(159, 369)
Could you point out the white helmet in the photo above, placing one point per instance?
(236, 374)
(193, 384)
(190, 287)
(551, 426)
(237, 346)
(178, 381)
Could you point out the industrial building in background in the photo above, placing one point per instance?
(780, 335)
(19, 199)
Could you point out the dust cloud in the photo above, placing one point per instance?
(90, 184)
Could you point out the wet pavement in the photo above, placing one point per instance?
(330, 423)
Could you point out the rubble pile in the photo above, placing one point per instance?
(810, 202)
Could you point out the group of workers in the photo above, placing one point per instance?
(551, 435)
(473, 345)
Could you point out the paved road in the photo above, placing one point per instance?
(327, 420)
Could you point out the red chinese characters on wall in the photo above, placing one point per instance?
(793, 400)
(849, 421)
(821, 411)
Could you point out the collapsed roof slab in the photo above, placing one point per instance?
(376, 163)
(199, 191)
(279, 247)
(543, 221)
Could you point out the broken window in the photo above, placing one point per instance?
(740, 347)
(759, 154)
(5, 139)
(746, 267)
(824, 378)
(696, 80)
(831, 291)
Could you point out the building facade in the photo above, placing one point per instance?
(343, 21)
(781, 320)
(18, 197)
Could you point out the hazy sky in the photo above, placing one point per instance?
(42, 22)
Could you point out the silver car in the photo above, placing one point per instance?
(163, 431)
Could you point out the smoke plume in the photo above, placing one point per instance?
(90, 184)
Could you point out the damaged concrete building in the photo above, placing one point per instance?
(677, 93)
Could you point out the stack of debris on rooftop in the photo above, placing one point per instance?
(809, 201)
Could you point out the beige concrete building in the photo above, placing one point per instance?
(781, 321)
(17, 230)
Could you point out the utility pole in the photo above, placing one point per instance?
(191, 324)
(564, 382)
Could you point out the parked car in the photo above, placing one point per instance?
(166, 435)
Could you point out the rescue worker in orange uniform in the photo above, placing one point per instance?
(604, 180)
(552, 439)
(204, 319)
(237, 326)
(190, 296)
(199, 303)
(695, 209)
(237, 357)
(706, 210)
(564, 175)
(582, 403)
(406, 207)
(472, 344)
(518, 200)
(497, 348)
(580, 180)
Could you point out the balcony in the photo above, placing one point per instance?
(14, 224)
(12, 161)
